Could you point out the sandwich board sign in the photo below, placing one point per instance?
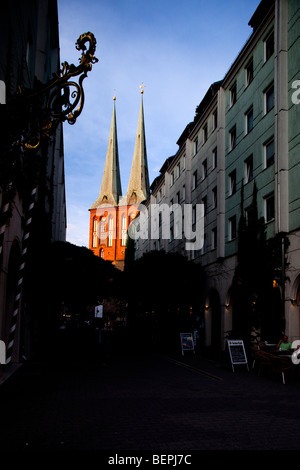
(237, 352)
(187, 342)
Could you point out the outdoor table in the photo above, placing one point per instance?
(283, 353)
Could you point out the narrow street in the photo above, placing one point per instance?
(151, 402)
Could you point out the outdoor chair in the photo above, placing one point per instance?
(281, 365)
(253, 352)
(263, 361)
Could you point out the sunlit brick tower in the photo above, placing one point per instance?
(111, 214)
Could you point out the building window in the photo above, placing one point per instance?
(183, 163)
(194, 181)
(232, 228)
(110, 231)
(269, 99)
(232, 136)
(232, 183)
(214, 197)
(215, 119)
(233, 95)
(178, 197)
(249, 72)
(249, 120)
(159, 219)
(203, 250)
(204, 202)
(269, 46)
(205, 133)
(269, 150)
(215, 158)
(95, 235)
(249, 169)
(172, 178)
(193, 215)
(196, 146)
(178, 170)
(247, 214)
(183, 192)
(102, 230)
(177, 234)
(124, 230)
(269, 202)
(29, 49)
(204, 169)
(214, 238)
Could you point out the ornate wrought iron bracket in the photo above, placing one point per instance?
(58, 100)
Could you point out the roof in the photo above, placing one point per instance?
(260, 13)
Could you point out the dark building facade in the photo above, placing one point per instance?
(32, 183)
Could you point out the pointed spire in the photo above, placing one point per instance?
(138, 186)
(111, 190)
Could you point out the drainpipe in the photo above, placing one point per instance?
(277, 115)
(279, 228)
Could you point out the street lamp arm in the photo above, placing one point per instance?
(59, 99)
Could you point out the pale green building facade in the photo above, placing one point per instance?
(262, 144)
(245, 141)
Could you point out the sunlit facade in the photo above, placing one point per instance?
(112, 213)
(243, 141)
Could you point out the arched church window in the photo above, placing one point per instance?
(95, 237)
(102, 230)
(110, 231)
(124, 230)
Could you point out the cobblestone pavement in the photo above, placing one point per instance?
(152, 402)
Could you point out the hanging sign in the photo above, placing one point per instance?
(187, 342)
(99, 311)
(237, 352)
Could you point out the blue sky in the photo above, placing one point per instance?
(176, 48)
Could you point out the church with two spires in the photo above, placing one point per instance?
(112, 213)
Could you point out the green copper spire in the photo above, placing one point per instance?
(110, 191)
(138, 186)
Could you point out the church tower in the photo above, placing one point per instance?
(138, 186)
(111, 214)
(111, 190)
